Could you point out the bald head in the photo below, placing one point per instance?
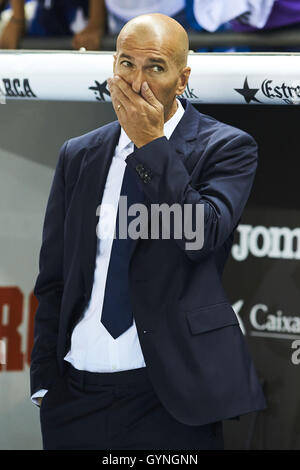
(158, 30)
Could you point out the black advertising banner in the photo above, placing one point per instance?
(262, 276)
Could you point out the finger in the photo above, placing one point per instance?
(148, 95)
(127, 90)
(117, 94)
(118, 97)
(119, 108)
(118, 105)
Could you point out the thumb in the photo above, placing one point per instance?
(148, 95)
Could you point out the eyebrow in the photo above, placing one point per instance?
(157, 61)
(152, 60)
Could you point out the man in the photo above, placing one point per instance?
(135, 339)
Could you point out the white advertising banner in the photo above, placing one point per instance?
(223, 78)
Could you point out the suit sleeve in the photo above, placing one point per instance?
(49, 285)
(222, 188)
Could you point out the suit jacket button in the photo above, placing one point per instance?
(139, 168)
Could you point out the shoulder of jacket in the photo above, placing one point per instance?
(222, 131)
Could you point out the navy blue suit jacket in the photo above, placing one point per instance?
(194, 350)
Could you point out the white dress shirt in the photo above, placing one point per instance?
(92, 347)
(211, 15)
(127, 9)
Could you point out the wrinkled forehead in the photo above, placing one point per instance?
(145, 42)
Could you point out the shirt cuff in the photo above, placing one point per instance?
(39, 394)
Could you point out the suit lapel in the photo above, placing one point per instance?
(92, 182)
(184, 137)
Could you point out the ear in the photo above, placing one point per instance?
(183, 80)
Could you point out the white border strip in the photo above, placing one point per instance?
(216, 78)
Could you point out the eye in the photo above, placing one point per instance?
(157, 68)
(126, 63)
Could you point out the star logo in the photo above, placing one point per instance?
(248, 93)
(100, 89)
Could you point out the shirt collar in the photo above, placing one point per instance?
(169, 127)
(171, 124)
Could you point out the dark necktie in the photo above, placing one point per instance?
(117, 315)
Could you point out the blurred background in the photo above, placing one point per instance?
(213, 25)
(262, 276)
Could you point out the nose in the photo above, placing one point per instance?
(137, 80)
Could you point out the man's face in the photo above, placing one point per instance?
(153, 61)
